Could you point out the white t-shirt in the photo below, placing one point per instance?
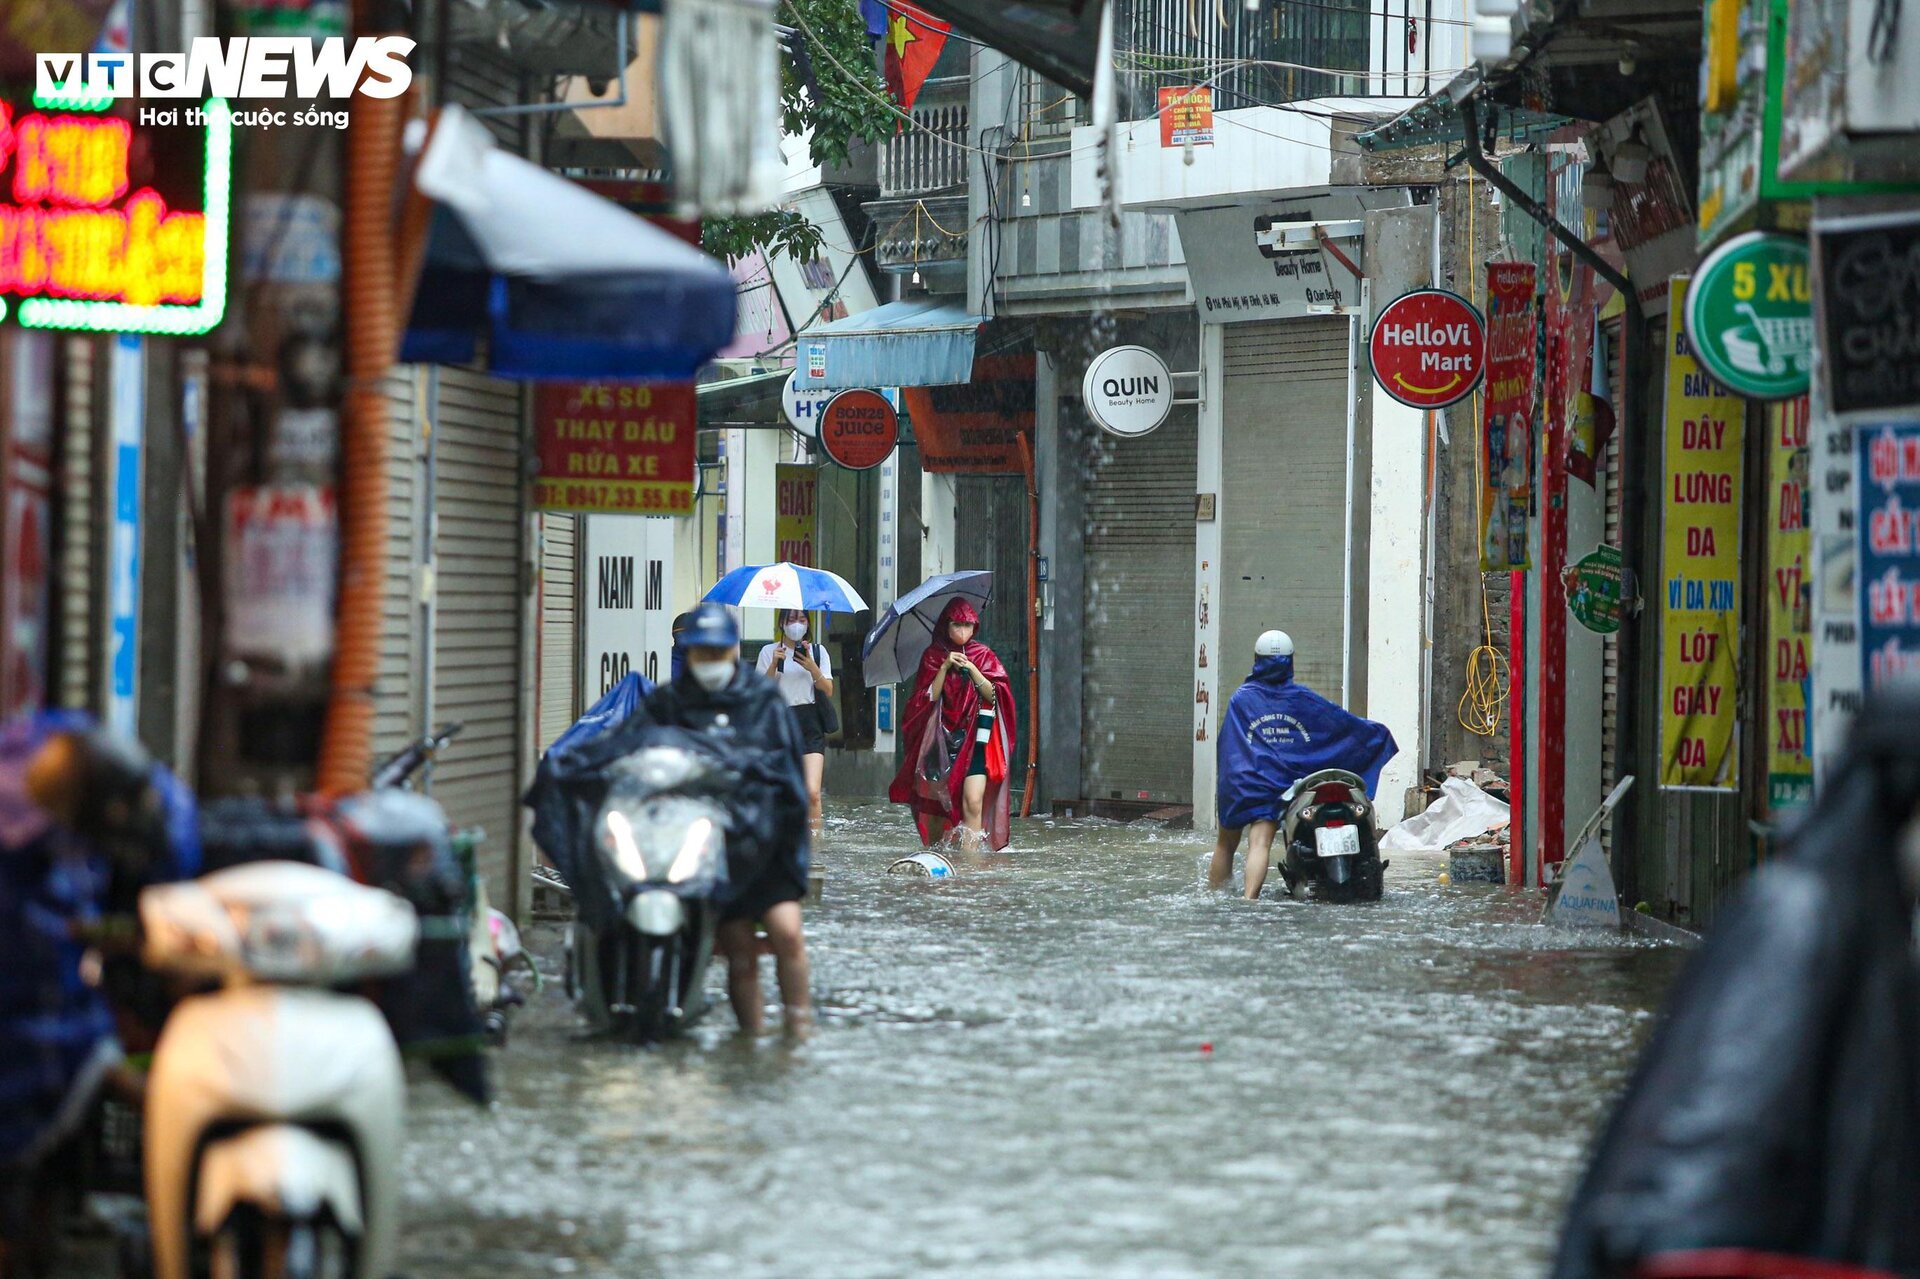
(796, 685)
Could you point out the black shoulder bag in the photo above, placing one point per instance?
(823, 701)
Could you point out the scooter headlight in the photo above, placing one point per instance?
(617, 838)
(701, 842)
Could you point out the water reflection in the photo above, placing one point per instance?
(1010, 1080)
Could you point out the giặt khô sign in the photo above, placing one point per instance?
(110, 225)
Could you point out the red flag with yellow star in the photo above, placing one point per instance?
(914, 41)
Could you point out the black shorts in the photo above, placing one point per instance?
(813, 731)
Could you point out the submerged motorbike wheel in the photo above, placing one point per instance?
(1364, 884)
(256, 1245)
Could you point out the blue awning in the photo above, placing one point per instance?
(918, 342)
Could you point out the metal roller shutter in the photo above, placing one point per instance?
(1137, 743)
(559, 661)
(1284, 496)
(77, 610)
(477, 607)
(398, 693)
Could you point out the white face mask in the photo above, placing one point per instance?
(712, 676)
(796, 631)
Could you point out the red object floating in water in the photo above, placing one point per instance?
(1207, 1047)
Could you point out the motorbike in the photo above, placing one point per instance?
(275, 1099)
(1328, 833)
(638, 968)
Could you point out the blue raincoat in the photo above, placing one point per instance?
(613, 708)
(1277, 732)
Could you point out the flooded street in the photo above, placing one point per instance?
(1009, 1080)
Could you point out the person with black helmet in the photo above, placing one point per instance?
(716, 693)
(677, 659)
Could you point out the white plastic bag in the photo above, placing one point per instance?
(1462, 811)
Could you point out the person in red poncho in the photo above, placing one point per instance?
(956, 764)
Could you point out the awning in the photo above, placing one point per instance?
(560, 282)
(750, 400)
(1436, 119)
(918, 342)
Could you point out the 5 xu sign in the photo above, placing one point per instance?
(1428, 349)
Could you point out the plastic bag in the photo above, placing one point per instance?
(1462, 811)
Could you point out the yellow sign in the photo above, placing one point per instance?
(795, 526)
(1789, 607)
(1699, 571)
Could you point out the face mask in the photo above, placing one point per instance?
(796, 631)
(712, 676)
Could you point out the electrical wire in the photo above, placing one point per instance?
(1489, 684)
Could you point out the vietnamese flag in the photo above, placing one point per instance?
(914, 41)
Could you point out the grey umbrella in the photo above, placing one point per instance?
(894, 646)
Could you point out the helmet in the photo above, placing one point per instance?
(1273, 644)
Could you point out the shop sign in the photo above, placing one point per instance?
(1128, 391)
(1699, 572)
(1836, 610)
(796, 496)
(127, 391)
(26, 547)
(1789, 606)
(1750, 316)
(623, 448)
(1889, 550)
(1506, 429)
(1428, 349)
(112, 225)
(1595, 587)
(1869, 286)
(1651, 220)
(626, 600)
(1186, 115)
(803, 408)
(858, 429)
(280, 557)
(1265, 263)
(974, 428)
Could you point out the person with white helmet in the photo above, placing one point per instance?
(1274, 733)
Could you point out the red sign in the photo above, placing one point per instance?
(858, 429)
(974, 428)
(1186, 115)
(1429, 349)
(620, 448)
(1507, 446)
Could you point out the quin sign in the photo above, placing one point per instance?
(1128, 390)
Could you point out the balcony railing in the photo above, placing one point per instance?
(1281, 52)
(931, 158)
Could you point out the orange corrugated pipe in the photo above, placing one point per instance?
(371, 303)
(1033, 622)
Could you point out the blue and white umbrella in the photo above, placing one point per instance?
(785, 585)
(894, 647)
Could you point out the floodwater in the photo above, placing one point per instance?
(1009, 1080)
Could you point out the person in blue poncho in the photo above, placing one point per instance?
(1275, 733)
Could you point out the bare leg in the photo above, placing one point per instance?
(815, 767)
(936, 828)
(973, 800)
(736, 940)
(1259, 850)
(1221, 869)
(789, 943)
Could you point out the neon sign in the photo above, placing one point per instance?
(114, 227)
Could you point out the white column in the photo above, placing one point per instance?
(1206, 564)
(937, 513)
(751, 459)
(1396, 644)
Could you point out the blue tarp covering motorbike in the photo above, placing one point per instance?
(1277, 732)
(618, 702)
(56, 1032)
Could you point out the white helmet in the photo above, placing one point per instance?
(1273, 644)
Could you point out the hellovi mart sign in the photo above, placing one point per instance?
(239, 68)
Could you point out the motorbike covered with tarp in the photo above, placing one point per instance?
(618, 702)
(572, 785)
(1776, 1110)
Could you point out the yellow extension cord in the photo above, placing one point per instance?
(1484, 701)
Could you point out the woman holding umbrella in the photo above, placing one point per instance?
(805, 674)
(959, 726)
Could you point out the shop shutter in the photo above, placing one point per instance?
(1283, 503)
(399, 703)
(77, 610)
(1138, 734)
(559, 657)
(1609, 474)
(478, 608)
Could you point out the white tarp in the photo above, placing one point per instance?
(1462, 811)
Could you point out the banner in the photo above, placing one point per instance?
(1789, 607)
(1889, 551)
(796, 514)
(1506, 431)
(626, 601)
(1186, 115)
(624, 448)
(1700, 570)
(974, 428)
(26, 520)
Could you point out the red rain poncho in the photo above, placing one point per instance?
(960, 703)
